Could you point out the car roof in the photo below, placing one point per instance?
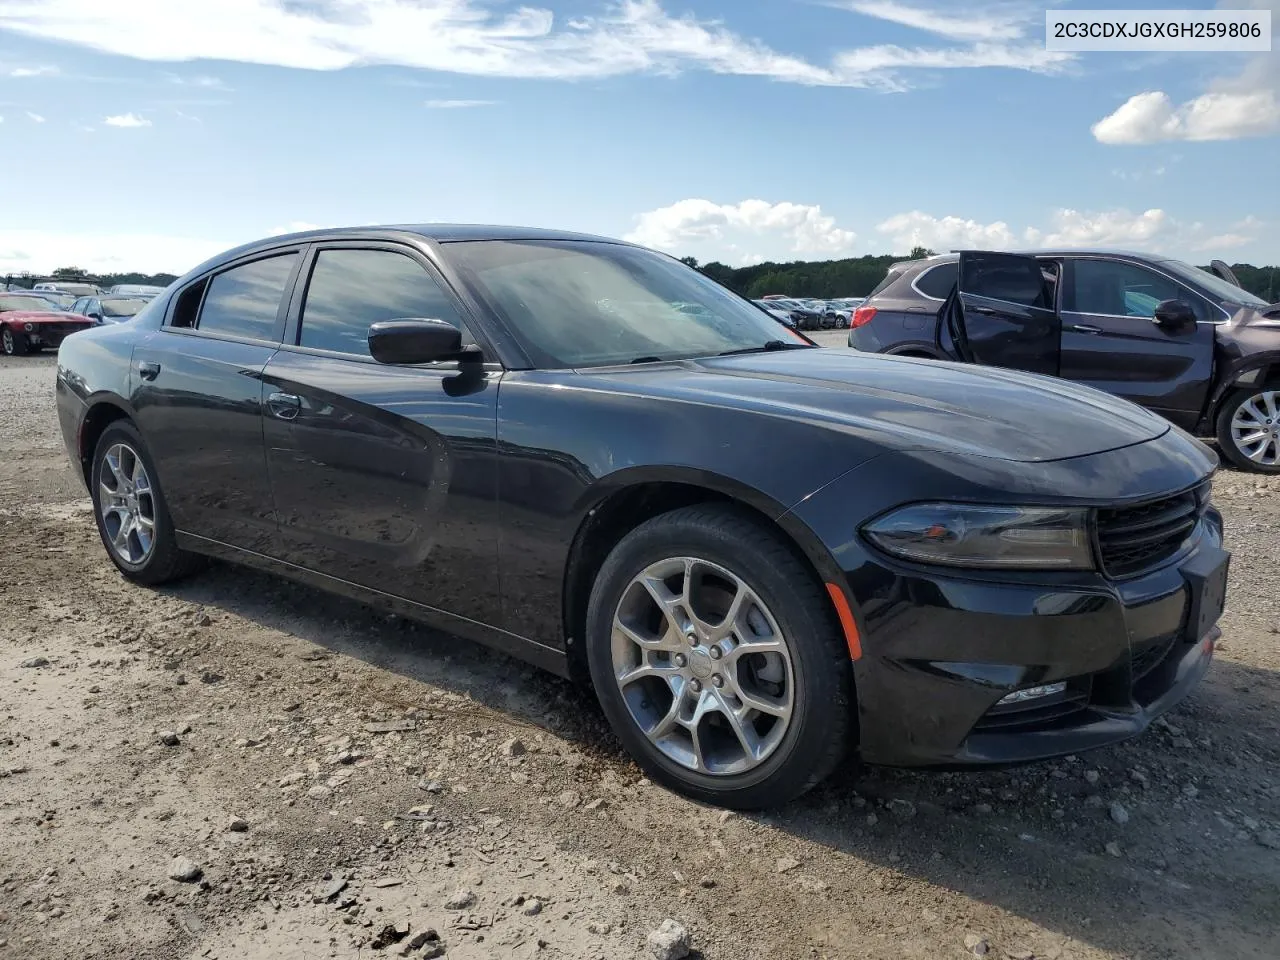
(1038, 252)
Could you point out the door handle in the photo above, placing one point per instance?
(148, 369)
(1085, 328)
(285, 406)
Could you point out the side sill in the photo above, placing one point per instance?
(539, 655)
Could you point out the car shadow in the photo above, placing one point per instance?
(1186, 875)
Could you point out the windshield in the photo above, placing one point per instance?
(44, 301)
(79, 289)
(1213, 283)
(122, 308)
(36, 304)
(587, 304)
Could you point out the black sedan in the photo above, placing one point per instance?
(766, 557)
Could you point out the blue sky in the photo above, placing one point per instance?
(145, 135)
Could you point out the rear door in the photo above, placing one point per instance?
(196, 384)
(1111, 340)
(1002, 313)
(383, 475)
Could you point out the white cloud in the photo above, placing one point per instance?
(201, 81)
(19, 73)
(35, 117)
(1234, 107)
(126, 120)
(916, 229)
(1153, 117)
(468, 37)
(1112, 228)
(974, 24)
(457, 104)
(788, 231)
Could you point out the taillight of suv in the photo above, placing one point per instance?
(862, 316)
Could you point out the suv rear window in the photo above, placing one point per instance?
(889, 277)
(937, 282)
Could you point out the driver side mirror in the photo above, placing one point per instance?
(1176, 316)
(417, 340)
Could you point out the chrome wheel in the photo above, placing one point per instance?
(1255, 428)
(704, 669)
(126, 504)
(9, 345)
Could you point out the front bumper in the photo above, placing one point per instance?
(941, 652)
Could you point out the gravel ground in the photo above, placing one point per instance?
(242, 768)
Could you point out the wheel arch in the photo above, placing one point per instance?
(626, 500)
(1267, 367)
(101, 413)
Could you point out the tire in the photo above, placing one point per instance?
(784, 596)
(160, 561)
(1250, 412)
(13, 342)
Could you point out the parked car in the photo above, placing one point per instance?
(1187, 343)
(110, 309)
(46, 298)
(76, 289)
(134, 290)
(28, 325)
(778, 313)
(759, 553)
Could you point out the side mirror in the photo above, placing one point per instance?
(414, 341)
(1174, 315)
(96, 316)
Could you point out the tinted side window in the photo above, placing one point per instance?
(938, 281)
(1006, 277)
(244, 301)
(350, 289)
(1120, 289)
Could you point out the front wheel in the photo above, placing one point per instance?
(1249, 429)
(718, 660)
(129, 506)
(13, 342)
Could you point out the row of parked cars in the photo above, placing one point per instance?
(810, 314)
(44, 315)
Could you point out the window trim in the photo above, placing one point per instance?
(1071, 260)
(928, 270)
(292, 331)
(299, 252)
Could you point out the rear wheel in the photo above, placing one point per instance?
(717, 659)
(13, 342)
(129, 506)
(1249, 429)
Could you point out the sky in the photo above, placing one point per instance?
(150, 134)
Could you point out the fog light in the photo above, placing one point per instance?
(1033, 693)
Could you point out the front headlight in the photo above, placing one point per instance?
(969, 535)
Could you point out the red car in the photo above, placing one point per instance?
(26, 329)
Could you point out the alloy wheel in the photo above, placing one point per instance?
(9, 346)
(127, 504)
(703, 667)
(1255, 428)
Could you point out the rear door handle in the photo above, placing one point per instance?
(285, 406)
(148, 369)
(1085, 328)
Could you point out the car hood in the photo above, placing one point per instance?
(910, 403)
(43, 316)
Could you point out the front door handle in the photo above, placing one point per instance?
(1085, 328)
(285, 406)
(148, 369)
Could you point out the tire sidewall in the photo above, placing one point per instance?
(1227, 444)
(164, 540)
(813, 685)
(9, 341)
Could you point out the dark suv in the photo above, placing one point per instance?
(1189, 344)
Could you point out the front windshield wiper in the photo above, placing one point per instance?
(768, 347)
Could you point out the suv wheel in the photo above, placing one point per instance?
(717, 659)
(1249, 429)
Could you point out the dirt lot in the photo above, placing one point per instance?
(234, 721)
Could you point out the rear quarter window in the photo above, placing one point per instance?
(889, 277)
(938, 282)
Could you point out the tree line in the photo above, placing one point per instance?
(858, 276)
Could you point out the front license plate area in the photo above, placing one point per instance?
(1206, 578)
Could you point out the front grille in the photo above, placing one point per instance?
(1131, 539)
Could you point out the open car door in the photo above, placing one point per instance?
(1002, 313)
(1220, 268)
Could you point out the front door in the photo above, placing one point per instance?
(384, 476)
(1002, 313)
(197, 390)
(1112, 340)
